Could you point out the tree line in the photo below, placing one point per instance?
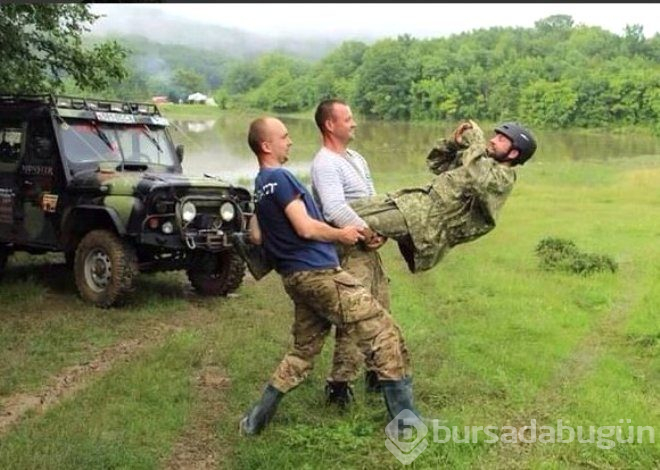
(555, 74)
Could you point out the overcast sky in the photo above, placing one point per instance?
(418, 20)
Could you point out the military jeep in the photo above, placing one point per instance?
(101, 182)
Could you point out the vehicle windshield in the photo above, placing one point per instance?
(89, 141)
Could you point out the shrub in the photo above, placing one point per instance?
(558, 254)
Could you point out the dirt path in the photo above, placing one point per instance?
(198, 446)
(72, 379)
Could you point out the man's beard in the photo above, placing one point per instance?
(497, 156)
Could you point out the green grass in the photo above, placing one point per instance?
(125, 420)
(495, 340)
(173, 110)
(192, 111)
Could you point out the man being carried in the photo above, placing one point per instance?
(462, 202)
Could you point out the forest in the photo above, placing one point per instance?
(556, 74)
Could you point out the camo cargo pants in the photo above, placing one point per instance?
(367, 267)
(382, 215)
(332, 296)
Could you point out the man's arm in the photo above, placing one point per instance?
(442, 157)
(254, 231)
(445, 155)
(312, 229)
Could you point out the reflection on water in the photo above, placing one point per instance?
(219, 147)
(199, 126)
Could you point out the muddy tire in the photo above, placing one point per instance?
(104, 268)
(217, 274)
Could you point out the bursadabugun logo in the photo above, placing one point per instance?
(405, 437)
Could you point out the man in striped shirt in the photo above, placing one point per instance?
(341, 175)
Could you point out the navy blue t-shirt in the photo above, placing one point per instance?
(274, 189)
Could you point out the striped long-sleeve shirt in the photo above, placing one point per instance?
(337, 179)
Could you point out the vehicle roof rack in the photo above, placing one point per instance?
(86, 104)
(18, 98)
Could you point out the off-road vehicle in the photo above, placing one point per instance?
(101, 181)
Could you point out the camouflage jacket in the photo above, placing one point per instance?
(460, 204)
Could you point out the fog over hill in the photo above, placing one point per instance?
(158, 26)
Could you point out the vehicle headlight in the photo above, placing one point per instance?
(188, 211)
(167, 228)
(227, 211)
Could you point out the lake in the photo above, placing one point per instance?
(219, 146)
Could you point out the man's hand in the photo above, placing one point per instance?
(372, 240)
(375, 242)
(350, 235)
(458, 133)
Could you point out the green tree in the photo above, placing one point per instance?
(594, 99)
(285, 88)
(385, 78)
(242, 77)
(634, 39)
(335, 75)
(221, 97)
(548, 102)
(41, 45)
(554, 23)
(189, 81)
(432, 99)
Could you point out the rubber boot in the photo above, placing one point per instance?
(399, 397)
(338, 393)
(371, 382)
(261, 413)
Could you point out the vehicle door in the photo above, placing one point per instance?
(12, 131)
(39, 177)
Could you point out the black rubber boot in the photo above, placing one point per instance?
(338, 393)
(261, 413)
(371, 382)
(399, 397)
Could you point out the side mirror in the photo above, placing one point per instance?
(179, 152)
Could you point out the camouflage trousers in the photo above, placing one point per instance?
(381, 215)
(367, 267)
(323, 298)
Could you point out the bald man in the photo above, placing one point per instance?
(301, 246)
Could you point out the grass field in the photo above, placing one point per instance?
(495, 341)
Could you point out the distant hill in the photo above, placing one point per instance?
(159, 27)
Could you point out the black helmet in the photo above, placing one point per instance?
(521, 139)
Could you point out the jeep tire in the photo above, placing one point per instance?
(216, 273)
(104, 268)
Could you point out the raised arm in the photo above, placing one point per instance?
(465, 143)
